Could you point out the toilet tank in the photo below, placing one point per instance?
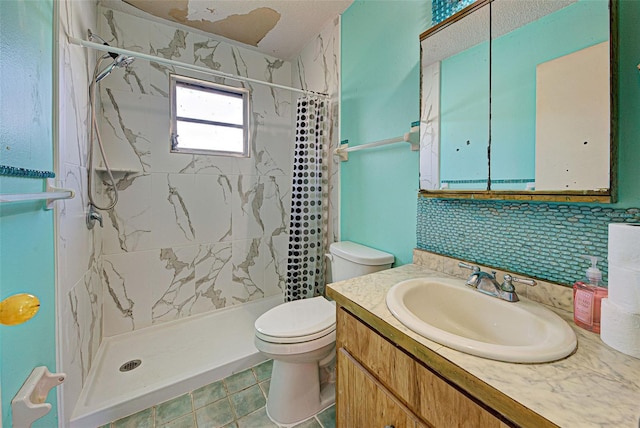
(349, 260)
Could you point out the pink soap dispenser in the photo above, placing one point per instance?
(587, 297)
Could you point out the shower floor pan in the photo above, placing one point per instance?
(176, 357)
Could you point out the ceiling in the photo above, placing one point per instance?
(280, 28)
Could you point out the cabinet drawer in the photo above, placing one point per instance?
(430, 397)
(365, 402)
(395, 369)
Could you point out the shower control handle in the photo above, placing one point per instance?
(92, 217)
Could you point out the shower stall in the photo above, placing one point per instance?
(191, 236)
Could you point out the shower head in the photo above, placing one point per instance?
(120, 61)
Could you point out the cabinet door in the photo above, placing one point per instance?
(425, 393)
(362, 401)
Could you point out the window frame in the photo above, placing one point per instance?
(176, 80)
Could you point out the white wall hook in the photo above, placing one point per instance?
(413, 137)
(57, 193)
(29, 403)
(341, 151)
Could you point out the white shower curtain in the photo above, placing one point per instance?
(309, 201)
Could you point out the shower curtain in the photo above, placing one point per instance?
(309, 201)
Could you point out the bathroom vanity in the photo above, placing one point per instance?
(391, 376)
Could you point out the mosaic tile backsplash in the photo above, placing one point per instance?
(543, 240)
(442, 9)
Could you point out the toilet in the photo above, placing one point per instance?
(300, 337)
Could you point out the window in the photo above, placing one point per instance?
(207, 118)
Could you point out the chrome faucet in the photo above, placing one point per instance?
(487, 283)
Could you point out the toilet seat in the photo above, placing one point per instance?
(298, 321)
(277, 350)
(296, 339)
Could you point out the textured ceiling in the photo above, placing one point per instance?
(506, 16)
(281, 28)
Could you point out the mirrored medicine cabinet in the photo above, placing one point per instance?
(518, 102)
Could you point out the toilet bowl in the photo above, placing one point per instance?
(296, 349)
(300, 337)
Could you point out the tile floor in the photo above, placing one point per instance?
(237, 401)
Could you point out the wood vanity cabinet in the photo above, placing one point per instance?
(379, 385)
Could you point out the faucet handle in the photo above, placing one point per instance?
(92, 216)
(508, 279)
(473, 268)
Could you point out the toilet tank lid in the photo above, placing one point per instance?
(360, 254)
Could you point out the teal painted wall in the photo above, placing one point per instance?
(375, 60)
(26, 229)
(379, 100)
(629, 105)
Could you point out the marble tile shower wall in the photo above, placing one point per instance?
(190, 233)
(188, 263)
(543, 240)
(78, 250)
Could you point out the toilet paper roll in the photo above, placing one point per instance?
(624, 245)
(620, 329)
(624, 288)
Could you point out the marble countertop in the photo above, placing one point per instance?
(597, 386)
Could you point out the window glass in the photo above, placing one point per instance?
(208, 118)
(200, 103)
(209, 137)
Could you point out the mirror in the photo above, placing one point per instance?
(515, 102)
(454, 125)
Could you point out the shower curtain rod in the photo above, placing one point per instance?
(106, 48)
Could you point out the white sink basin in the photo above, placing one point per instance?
(447, 311)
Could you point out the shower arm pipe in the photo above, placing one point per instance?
(153, 58)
